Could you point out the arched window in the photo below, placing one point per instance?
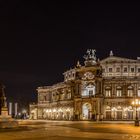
(61, 96)
(119, 108)
(108, 91)
(108, 108)
(130, 91)
(108, 112)
(118, 91)
(53, 96)
(68, 94)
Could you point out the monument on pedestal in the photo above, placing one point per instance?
(6, 121)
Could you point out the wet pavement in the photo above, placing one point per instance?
(66, 130)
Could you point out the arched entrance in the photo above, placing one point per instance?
(86, 111)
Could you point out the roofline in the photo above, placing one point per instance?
(135, 60)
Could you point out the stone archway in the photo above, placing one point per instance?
(86, 111)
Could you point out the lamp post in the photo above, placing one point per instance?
(24, 113)
(114, 110)
(136, 103)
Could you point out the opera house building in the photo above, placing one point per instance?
(98, 90)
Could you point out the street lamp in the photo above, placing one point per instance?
(24, 113)
(114, 110)
(136, 104)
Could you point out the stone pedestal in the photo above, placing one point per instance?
(4, 112)
(6, 121)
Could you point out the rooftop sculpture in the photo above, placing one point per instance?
(90, 57)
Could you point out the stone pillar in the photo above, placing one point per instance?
(93, 115)
(10, 109)
(98, 110)
(135, 90)
(101, 109)
(113, 90)
(78, 89)
(3, 103)
(16, 108)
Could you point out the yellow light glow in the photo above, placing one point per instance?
(68, 110)
(136, 102)
(126, 109)
(133, 103)
(113, 109)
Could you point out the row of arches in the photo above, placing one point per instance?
(121, 113)
(67, 113)
(58, 114)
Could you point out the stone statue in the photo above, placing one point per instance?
(6, 121)
(93, 54)
(78, 64)
(3, 103)
(111, 53)
(90, 55)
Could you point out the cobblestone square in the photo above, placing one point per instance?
(68, 130)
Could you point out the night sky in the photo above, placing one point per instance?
(39, 41)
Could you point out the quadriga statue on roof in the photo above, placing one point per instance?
(90, 55)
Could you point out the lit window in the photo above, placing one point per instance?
(110, 69)
(108, 92)
(125, 69)
(132, 69)
(138, 92)
(66, 76)
(68, 95)
(130, 91)
(73, 74)
(103, 70)
(138, 69)
(119, 91)
(62, 95)
(118, 69)
(89, 91)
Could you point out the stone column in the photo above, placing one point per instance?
(101, 109)
(78, 89)
(98, 109)
(10, 109)
(16, 108)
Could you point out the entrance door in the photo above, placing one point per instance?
(86, 111)
(108, 115)
(130, 115)
(119, 115)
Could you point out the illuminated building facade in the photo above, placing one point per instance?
(98, 90)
